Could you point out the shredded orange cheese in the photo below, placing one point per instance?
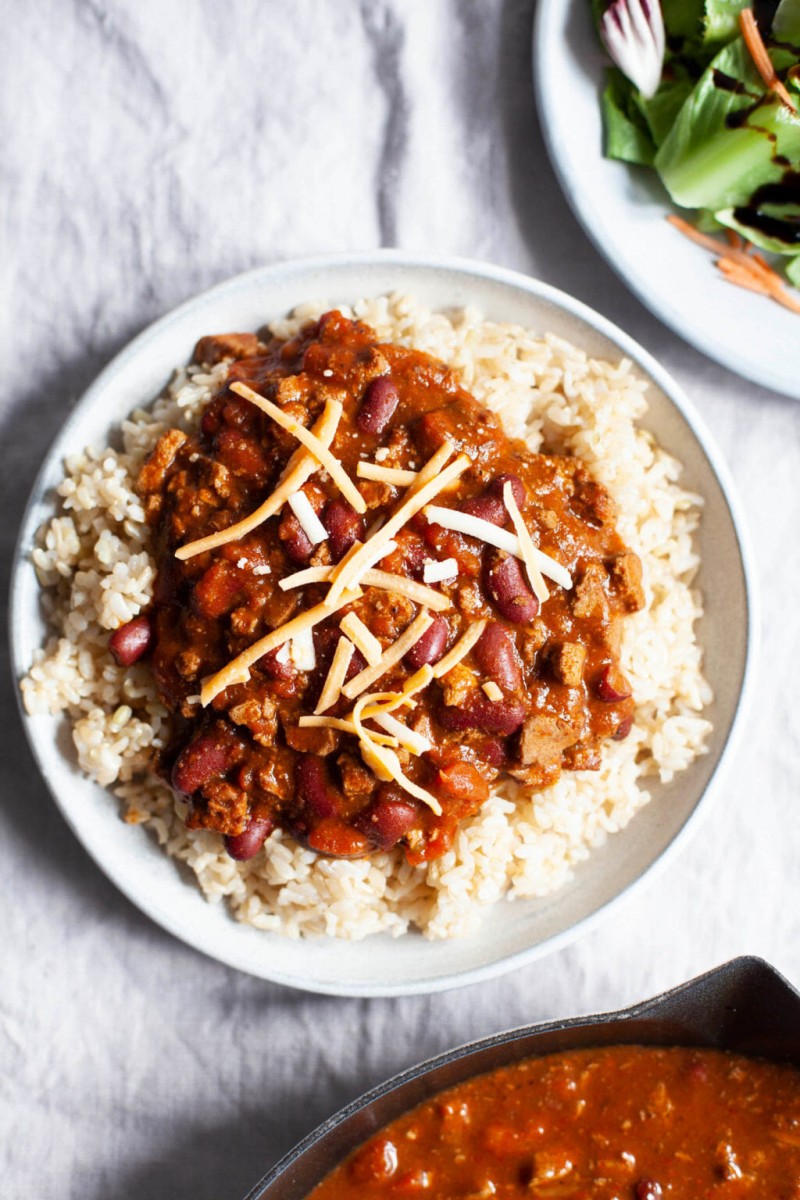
(460, 650)
(299, 468)
(336, 675)
(312, 443)
(352, 564)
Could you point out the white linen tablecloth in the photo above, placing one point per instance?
(151, 148)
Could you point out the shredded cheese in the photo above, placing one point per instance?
(393, 475)
(301, 466)
(363, 639)
(310, 523)
(460, 650)
(336, 675)
(540, 588)
(386, 765)
(301, 650)
(344, 726)
(238, 670)
(352, 565)
(409, 739)
(390, 657)
(437, 572)
(385, 581)
(492, 691)
(389, 701)
(433, 466)
(461, 522)
(308, 439)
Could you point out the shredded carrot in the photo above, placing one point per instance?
(761, 59)
(733, 239)
(751, 271)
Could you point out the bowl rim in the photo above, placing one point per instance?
(464, 268)
(737, 968)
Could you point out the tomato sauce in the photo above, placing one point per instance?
(617, 1123)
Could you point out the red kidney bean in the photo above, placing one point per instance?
(246, 844)
(493, 752)
(504, 581)
(386, 820)
(377, 408)
(647, 1189)
(128, 643)
(623, 729)
(216, 590)
(272, 665)
(344, 525)
(497, 487)
(490, 506)
(612, 685)
(502, 717)
(497, 657)
(486, 508)
(296, 544)
(430, 647)
(314, 787)
(204, 759)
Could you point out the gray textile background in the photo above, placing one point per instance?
(149, 149)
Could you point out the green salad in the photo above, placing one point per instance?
(707, 93)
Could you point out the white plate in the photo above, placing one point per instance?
(511, 934)
(622, 208)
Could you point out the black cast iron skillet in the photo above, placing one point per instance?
(745, 1006)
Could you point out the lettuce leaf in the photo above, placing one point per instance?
(793, 271)
(786, 22)
(722, 19)
(715, 156)
(728, 217)
(626, 130)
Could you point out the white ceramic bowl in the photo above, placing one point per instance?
(511, 934)
(622, 208)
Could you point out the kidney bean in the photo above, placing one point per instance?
(430, 647)
(497, 657)
(295, 542)
(204, 759)
(502, 717)
(377, 408)
(387, 819)
(272, 665)
(497, 487)
(344, 525)
(314, 787)
(486, 508)
(462, 781)
(623, 729)
(647, 1189)
(216, 590)
(128, 643)
(504, 581)
(612, 685)
(493, 752)
(247, 844)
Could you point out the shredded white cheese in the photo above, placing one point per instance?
(393, 475)
(310, 523)
(437, 572)
(412, 741)
(461, 522)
